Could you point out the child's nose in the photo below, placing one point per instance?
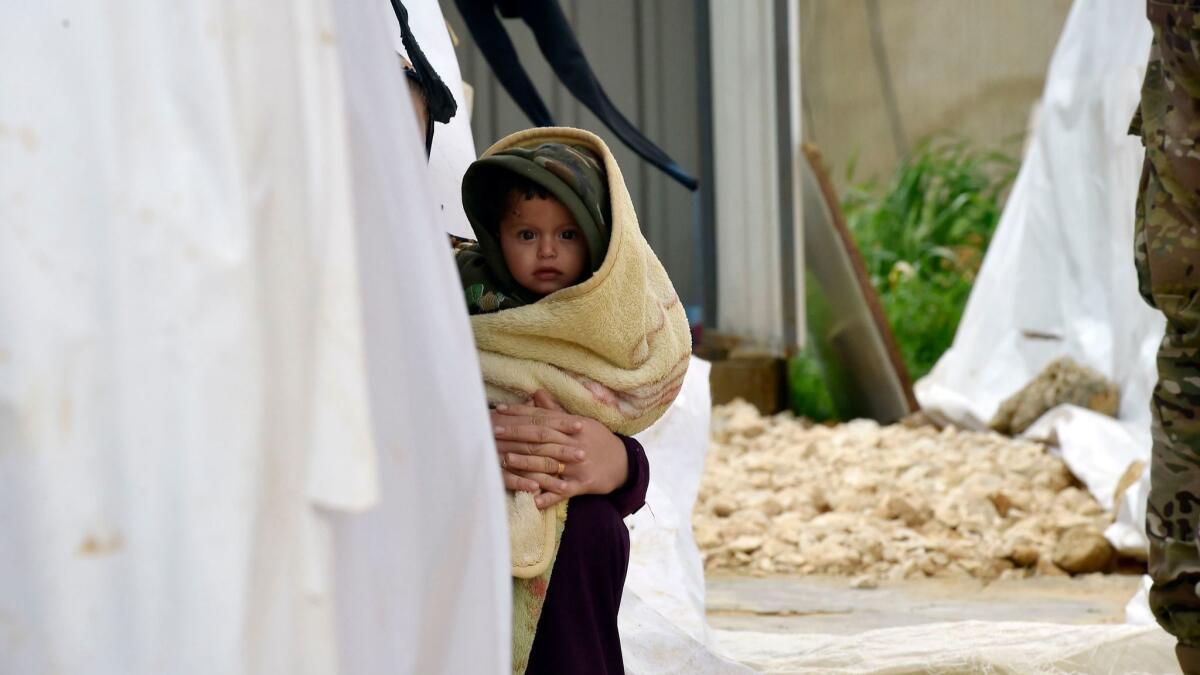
(546, 248)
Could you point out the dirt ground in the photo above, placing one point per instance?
(828, 604)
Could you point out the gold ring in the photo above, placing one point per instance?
(561, 468)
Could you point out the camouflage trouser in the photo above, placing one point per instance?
(1167, 252)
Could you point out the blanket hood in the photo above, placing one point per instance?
(620, 337)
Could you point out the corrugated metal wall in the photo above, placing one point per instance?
(751, 258)
(644, 53)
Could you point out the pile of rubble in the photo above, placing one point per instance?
(781, 496)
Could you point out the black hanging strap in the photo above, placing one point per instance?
(558, 44)
(440, 105)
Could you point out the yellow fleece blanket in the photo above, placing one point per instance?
(614, 348)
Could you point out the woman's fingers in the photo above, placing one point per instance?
(515, 414)
(519, 409)
(555, 451)
(533, 463)
(549, 483)
(531, 433)
(515, 483)
(548, 499)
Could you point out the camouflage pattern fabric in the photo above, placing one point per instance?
(484, 292)
(1167, 254)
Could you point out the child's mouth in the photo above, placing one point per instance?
(546, 274)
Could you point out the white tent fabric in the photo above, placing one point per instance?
(426, 574)
(453, 144)
(1058, 278)
(662, 620)
(230, 347)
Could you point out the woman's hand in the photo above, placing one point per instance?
(563, 455)
(534, 450)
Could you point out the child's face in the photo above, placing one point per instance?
(543, 247)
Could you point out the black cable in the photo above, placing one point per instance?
(501, 55)
(557, 43)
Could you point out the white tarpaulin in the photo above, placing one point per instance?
(961, 647)
(234, 363)
(662, 621)
(1058, 278)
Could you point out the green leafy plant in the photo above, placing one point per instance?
(922, 234)
(810, 395)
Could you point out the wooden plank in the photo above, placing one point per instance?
(761, 381)
(852, 333)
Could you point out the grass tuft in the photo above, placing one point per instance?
(922, 234)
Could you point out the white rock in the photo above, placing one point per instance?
(781, 497)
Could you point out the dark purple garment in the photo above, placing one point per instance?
(577, 633)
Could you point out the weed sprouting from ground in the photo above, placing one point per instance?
(923, 235)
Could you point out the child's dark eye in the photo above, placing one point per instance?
(570, 234)
(526, 235)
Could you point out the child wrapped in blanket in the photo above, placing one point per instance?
(567, 298)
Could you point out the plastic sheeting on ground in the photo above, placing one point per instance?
(662, 620)
(234, 364)
(961, 647)
(1058, 278)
